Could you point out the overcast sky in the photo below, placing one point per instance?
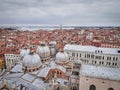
(68, 12)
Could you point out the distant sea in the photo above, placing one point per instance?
(32, 27)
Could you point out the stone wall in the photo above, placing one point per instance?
(100, 84)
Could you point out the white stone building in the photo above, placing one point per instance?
(108, 57)
(100, 67)
(89, 36)
(11, 60)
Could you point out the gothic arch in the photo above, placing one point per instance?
(110, 89)
(74, 88)
(92, 87)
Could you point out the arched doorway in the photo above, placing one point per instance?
(58, 88)
(110, 89)
(92, 87)
(74, 88)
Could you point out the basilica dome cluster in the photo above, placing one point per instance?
(32, 60)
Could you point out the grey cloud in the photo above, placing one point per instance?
(60, 11)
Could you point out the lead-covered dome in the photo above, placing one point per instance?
(43, 51)
(61, 58)
(31, 62)
(24, 52)
(53, 50)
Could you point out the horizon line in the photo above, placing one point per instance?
(59, 25)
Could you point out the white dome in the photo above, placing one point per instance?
(52, 51)
(61, 57)
(24, 52)
(53, 42)
(31, 61)
(43, 51)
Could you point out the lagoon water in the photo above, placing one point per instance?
(35, 27)
(32, 27)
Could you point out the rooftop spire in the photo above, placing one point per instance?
(61, 28)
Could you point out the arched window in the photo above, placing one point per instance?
(92, 87)
(74, 88)
(95, 62)
(102, 62)
(110, 89)
(58, 88)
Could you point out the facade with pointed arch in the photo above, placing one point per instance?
(110, 89)
(92, 87)
(91, 83)
(99, 78)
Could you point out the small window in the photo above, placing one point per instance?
(102, 62)
(33, 69)
(73, 54)
(92, 56)
(96, 57)
(80, 54)
(95, 51)
(99, 57)
(85, 55)
(65, 83)
(77, 54)
(87, 61)
(60, 73)
(109, 58)
(113, 58)
(92, 61)
(103, 82)
(98, 51)
(103, 57)
(95, 62)
(115, 64)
